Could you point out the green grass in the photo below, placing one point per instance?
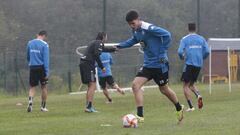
(220, 116)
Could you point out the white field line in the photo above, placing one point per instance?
(113, 90)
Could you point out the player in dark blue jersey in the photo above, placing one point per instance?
(155, 41)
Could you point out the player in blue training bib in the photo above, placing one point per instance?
(38, 61)
(106, 77)
(193, 50)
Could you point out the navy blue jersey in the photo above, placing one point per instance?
(155, 41)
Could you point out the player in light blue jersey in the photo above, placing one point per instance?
(38, 61)
(193, 50)
(106, 77)
(155, 42)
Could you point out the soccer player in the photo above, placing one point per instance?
(106, 77)
(155, 42)
(193, 50)
(87, 67)
(38, 59)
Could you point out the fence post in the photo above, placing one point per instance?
(4, 71)
(69, 81)
(16, 72)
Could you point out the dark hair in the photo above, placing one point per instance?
(42, 33)
(101, 35)
(192, 27)
(131, 15)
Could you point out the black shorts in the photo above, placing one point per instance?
(87, 72)
(190, 74)
(37, 74)
(156, 74)
(103, 81)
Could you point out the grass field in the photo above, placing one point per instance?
(220, 116)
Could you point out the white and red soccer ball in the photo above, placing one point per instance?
(130, 121)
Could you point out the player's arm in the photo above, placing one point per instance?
(97, 53)
(109, 49)
(46, 59)
(128, 43)
(155, 30)
(111, 60)
(206, 50)
(181, 50)
(28, 53)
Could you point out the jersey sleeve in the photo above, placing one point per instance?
(28, 52)
(46, 59)
(97, 52)
(206, 50)
(128, 43)
(181, 49)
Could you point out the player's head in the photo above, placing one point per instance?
(192, 27)
(42, 35)
(102, 36)
(133, 19)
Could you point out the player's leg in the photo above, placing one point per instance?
(44, 82)
(88, 77)
(111, 82)
(193, 87)
(44, 98)
(90, 94)
(30, 98)
(138, 82)
(33, 82)
(103, 84)
(162, 80)
(199, 97)
(187, 93)
(187, 79)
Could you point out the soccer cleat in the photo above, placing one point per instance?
(109, 102)
(190, 109)
(140, 119)
(180, 114)
(29, 108)
(200, 102)
(44, 109)
(90, 110)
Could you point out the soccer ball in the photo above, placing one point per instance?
(130, 121)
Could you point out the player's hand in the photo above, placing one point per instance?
(116, 48)
(104, 70)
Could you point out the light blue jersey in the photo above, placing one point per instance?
(156, 43)
(107, 61)
(193, 49)
(38, 54)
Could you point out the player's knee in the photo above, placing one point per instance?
(135, 87)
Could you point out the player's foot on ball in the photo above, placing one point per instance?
(140, 119)
(180, 114)
(90, 110)
(200, 102)
(44, 109)
(190, 109)
(29, 108)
